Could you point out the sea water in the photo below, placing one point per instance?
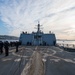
(3, 40)
(66, 42)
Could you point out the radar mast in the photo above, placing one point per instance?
(38, 27)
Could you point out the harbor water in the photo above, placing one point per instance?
(8, 40)
(66, 42)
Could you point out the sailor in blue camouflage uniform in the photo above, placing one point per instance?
(6, 46)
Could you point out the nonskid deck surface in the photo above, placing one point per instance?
(57, 61)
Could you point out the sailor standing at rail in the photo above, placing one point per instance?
(6, 46)
(1, 47)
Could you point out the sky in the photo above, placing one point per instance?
(57, 16)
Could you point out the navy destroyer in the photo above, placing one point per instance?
(38, 38)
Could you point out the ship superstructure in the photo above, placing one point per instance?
(37, 38)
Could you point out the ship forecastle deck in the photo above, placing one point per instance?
(56, 60)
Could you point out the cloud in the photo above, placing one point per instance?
(55, 15)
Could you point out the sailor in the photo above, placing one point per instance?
(54, 43)
(6, 46)
(17, 45)
(11, 44)
(1, 47)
